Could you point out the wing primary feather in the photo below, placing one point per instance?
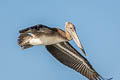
(85, 71)
(88, 74)
(77, 67)
(80, 64)
(82, 69)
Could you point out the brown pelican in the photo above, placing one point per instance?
(56, 42)
(43, 35)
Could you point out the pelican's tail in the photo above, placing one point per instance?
(23, 40)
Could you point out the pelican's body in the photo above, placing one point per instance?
(56, 42)
(48, 38)
(42, 35)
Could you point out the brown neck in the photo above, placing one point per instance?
(61, 32)
(64, 34)
(68, 36)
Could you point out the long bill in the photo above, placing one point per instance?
(77, 41)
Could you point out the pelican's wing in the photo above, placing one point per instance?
(66, 54)
(37, 28)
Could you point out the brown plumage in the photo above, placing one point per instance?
(23, 41)
(40, 32)
(69, 56)
(56, 42)
(43, 35)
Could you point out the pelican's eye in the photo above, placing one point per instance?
(70, 27)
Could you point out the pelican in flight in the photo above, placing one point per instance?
(56, 42)
(43, 35)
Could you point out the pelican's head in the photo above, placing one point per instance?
(70, 30)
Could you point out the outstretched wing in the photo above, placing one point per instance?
(66, 54)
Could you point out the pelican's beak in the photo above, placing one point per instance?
(77, 41)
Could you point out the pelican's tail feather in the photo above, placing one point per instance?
(23, 41)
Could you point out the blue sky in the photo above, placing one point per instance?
(98, 26)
